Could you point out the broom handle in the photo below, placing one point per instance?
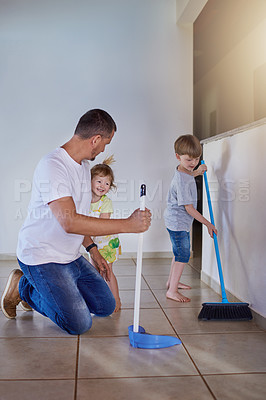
(219, 264)
(139, 265)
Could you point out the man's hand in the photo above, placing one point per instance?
(100, 264)
(139, 221)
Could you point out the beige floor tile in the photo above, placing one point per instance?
(155, 261)
(238, 387)
(40, 358)
(156, 281)
(162, 388)
(128, 282)
(37, 390)
(185, 320)
(227, 352)
(155, 270)
(197, 296)
(114, 325)
(115, 357)
(124, 270)
(152, 320)
(159, 282)
(32, 358)
(147, 300)
(164, 269)
(29, 324)
(125, 262)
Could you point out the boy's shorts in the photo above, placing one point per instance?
(181, 245)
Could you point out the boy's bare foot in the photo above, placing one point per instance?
(183, 286)
(117, 305)
(180, 286)
(177, 297)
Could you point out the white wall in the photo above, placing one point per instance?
(237, 184)
(60, 58)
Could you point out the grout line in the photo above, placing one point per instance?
(138, 377)
(208, 387)
(128, 377)
(236, 373)
(36, 337)
(222, 333)
(77, 365)
(169, 376)
(186, 350)
(35, 379)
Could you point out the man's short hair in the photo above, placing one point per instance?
(95, 122)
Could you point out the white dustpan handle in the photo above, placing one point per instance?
(139, 265)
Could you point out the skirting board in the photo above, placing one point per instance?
(7, 256)
(126, 255)
(259, 319)
(147, 254)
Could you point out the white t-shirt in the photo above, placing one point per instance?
(42, 239)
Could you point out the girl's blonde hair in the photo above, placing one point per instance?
(104, 169)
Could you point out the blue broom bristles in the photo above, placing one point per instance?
(225, 312)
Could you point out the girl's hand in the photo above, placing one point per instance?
(139, 221)
(100, 264)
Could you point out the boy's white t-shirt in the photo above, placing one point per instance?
(42, 239)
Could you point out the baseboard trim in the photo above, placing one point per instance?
(8, 256)
(125, 255)
(147, 254)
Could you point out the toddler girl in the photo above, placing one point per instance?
(102, 180)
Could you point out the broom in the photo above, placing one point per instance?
(224, 310)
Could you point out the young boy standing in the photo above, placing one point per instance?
(181, 210)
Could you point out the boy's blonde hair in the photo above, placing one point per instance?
(104, 170)
(188, 145)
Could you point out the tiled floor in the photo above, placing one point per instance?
(216, 360)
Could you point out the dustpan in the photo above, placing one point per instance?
(137, 334)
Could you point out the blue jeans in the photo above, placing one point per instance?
(66, 293)
(181, 245)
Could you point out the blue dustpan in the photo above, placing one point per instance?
(137, 335)
(143, 340)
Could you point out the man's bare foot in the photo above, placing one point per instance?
(180, 286)
(177, 297)
(117, 305)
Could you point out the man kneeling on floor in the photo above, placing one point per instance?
(55, 279)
